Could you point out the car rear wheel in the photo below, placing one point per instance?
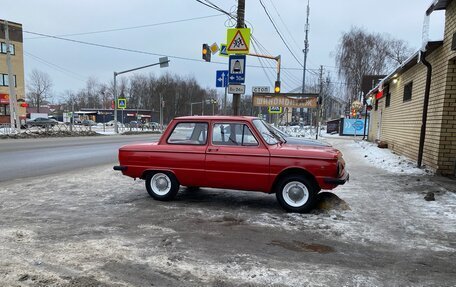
(296, 194)
(162, 185)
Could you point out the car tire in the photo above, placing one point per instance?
(162, 185)
(296, 193)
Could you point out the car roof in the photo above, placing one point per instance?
(226, 118)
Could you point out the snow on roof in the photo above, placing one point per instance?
(438, 5)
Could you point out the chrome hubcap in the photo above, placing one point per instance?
(160, 184)
(295, 194)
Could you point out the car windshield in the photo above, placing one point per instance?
(267, 133)
(279, 132)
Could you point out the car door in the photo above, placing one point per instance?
(235, 158)
(184, 153)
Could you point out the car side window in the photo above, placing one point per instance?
(232, 134)
(248, 139)
(189, 134)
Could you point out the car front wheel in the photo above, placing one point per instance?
(296, 194)
(162, 186)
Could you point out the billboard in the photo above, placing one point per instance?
(352, 127)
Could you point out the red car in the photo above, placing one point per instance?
(233, 152)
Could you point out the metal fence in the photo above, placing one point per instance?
(5, 129)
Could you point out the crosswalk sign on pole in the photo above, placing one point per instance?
(223, 51)
(122, 103)
(238, 41)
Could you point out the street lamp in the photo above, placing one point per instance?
(163, 62)
(209, 101)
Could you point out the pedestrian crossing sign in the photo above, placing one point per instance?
(122, 103)
(238, 41)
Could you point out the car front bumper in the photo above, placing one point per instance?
(338, 181)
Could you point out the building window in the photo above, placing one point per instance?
(408, 92)
(4, 50)
(386, 92)
(376, 105)
(5, 82)
(4, 110)
(387, 99)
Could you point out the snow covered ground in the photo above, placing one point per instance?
(95, 227)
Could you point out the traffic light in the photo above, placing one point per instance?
(353, 112)
(206, 53)
(277, 87)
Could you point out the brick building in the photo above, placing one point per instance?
(17, 62)
(415, 106)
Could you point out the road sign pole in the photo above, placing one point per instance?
(116, 127)
(224, 101)
(240, 24)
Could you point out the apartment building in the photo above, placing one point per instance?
(17, 62)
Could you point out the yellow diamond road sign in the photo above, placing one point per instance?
(238, 41)
(214, 48)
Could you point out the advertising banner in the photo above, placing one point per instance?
(353, 127)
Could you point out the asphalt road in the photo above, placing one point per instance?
(37, 157)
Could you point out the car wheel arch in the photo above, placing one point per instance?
(153, 171)
(294, 171)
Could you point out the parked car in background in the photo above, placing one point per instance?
(111, 123)
(88, 123)
(152, 126)
(41, 122)
(135, 124)
(297, 140)
(233, 152)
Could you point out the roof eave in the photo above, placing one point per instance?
(437, 5)
(410, 62)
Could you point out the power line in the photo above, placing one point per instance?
(215, 7)
(278, 32)
(261, 62)
(288, 75)
(134, 50)
(285, 25)
(133, 27)
(57, 67)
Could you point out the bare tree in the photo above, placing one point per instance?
(361, 53)
(39, 88)
(399, 51)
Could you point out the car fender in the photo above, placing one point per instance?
(145, 172)
(294, 170)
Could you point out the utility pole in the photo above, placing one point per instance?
(240, 24)
(161, 111)
(305, 51)
(319, 105)
(14, 115)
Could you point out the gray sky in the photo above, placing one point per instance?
(328, 20)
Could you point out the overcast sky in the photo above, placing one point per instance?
(70, 64)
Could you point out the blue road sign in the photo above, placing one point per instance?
(223, 50)
(237, 69)
(221, 79)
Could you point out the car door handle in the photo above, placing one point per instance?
(212, 149)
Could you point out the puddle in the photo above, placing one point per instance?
(299, 246)
(229, 221)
